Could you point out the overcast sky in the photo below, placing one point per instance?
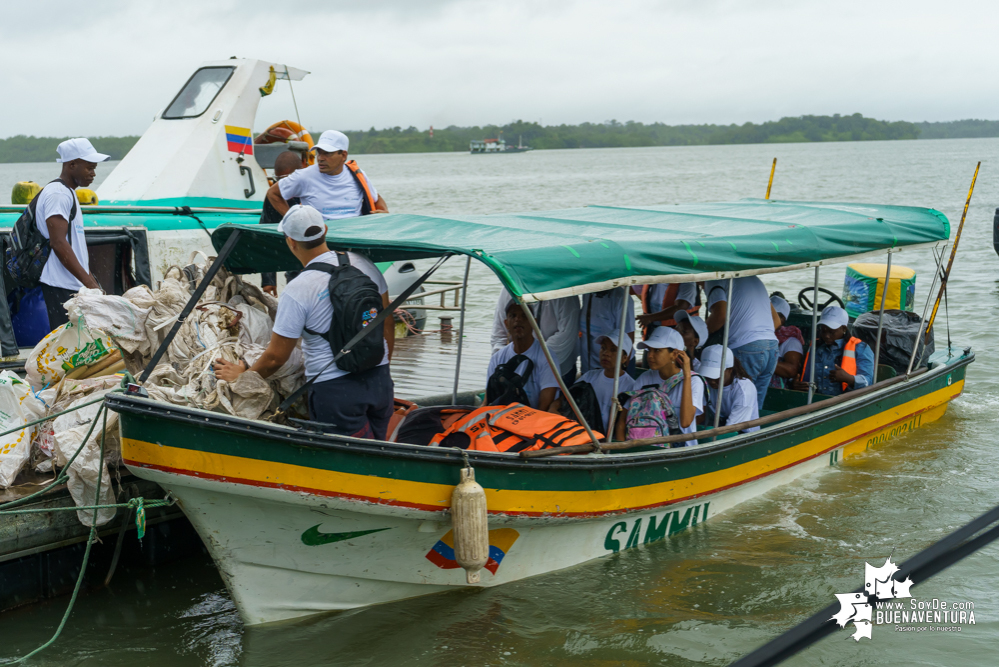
(104, 68)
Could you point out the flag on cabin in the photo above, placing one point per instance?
(500, 541)
(239, 139)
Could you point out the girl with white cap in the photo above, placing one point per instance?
(670, 370)
(739, 398)
(602, 379)
(695, 335)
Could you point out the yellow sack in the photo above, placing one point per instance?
(65, 348)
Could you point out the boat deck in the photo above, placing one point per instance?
(424, 365)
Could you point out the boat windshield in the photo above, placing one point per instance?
(199, 92)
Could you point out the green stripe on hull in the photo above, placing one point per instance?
(553, 474)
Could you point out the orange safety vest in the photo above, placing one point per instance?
(368, 205)
(669, 298)
(848, 362)
(515, 428)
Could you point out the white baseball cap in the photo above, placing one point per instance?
(695, 321)
(332, 141)
(663, 337)
(299, 220)
(834, 317)
(711, 361)
(781, 306)
(79, 149)
(612, 337)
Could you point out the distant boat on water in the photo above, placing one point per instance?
(490, 146)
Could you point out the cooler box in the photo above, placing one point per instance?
(865, 284)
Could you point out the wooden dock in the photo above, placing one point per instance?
(423, 365)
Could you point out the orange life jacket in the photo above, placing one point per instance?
(515, 428)
(368, 205)
(848, 362)
(669, 298)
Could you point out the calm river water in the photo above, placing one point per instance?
(708, 595)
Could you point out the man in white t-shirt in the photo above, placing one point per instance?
(558, 320)
(751, 334)
(333, 186)
(541, 384)
(355, 404)
(60, 220)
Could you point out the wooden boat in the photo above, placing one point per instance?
(301, 522)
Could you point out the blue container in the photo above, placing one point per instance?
(30, 319)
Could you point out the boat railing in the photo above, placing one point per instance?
(455, 286)
(784, 415)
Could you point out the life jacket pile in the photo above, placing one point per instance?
(512, 428)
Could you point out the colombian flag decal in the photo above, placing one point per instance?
(239, 139)
(500, 541)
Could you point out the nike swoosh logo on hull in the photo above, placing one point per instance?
(313, 538)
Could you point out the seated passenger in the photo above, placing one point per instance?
(695, 335)
(842, 362)
(751, 327)
(539, 382)
(671, 371)
(599, 315)
(792, 347)
(558, 320)
(602, 379)
(739, 398)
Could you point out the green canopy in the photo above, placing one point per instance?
(549, 254)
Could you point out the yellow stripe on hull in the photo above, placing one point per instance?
(856, 437)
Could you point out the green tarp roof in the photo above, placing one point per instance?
(553, 253)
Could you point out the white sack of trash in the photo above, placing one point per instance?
(106, 334)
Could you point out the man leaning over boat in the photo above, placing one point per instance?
(334, 186)
(842, 362)
(357, 404)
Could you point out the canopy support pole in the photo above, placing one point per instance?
(558, 376)
(617, 364)
(881, 317)
(461, 331)
(722, 366)
(191, 303)
(815, 328)
(926, 308)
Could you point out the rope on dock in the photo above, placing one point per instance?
(138, 504)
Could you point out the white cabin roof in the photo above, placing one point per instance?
(193, 152)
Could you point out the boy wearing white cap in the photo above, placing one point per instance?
(695, 335)
(355, 404)
(599, 315)
(334, 186)
(602, 379)
(739, 398)
(540, 385)
(60, 220)
(842, 362)
(671, 369)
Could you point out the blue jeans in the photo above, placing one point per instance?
(759, 360)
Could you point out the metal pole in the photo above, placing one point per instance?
(461, 331)
(293, 101)
(617, 365)
(953, 252)
(881, 316)
(721, 370)
(815, 327)
(558, 376)
(773, 168)
(922, 320)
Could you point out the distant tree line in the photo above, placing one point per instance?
(608, 134)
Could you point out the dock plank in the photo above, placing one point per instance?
(424, 365)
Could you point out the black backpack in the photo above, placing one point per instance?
(506, 386)
(27, 250)
(586, 400)
(356, 302)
